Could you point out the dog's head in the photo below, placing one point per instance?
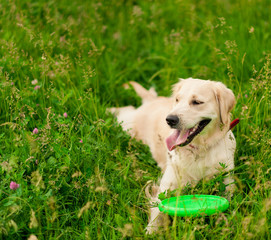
(201, 109)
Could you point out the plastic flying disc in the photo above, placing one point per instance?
(193, 205)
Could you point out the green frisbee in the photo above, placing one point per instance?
(193, 205)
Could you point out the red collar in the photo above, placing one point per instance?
(234, 123)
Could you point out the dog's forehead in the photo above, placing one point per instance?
(196, 88)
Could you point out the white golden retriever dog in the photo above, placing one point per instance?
(188, 134)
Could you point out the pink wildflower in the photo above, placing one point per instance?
(81, 141)
(35, 131)
(65, 115)
(37, 87)
(14, 185)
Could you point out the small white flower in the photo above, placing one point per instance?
(34, 82)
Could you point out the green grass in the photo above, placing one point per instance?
(81, 52)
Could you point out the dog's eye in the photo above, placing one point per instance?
(177, 100)
(196, 102)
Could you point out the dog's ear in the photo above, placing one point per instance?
(177, 86)
(226, 101)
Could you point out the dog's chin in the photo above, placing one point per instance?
(182, 138)
(196, 131)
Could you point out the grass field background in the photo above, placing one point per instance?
(62, 63)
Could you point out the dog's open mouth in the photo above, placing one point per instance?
(184, 137)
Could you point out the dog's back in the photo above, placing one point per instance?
(147, 123)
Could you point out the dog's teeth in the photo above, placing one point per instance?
(194, 129)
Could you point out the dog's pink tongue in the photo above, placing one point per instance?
(176, 138)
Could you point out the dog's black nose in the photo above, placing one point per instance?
(172, 120)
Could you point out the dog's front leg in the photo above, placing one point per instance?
(230, 186)
(168, 181)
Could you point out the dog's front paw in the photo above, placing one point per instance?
(230, 189)
(151, 229)
(157, 220)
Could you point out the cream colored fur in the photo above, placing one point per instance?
(197, 160)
